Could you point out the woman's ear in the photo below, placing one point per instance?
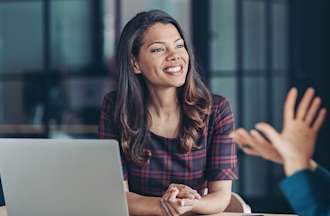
(136, 66)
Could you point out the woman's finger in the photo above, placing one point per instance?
(186, 192)
(167, 208)
(167, 194)
(173, 193)
(193, 192)
(186, 202)
(169, 199)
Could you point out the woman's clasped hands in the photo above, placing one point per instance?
(178, 200)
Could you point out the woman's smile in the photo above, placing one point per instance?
(174, 70)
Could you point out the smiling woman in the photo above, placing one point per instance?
(163, 59)
(173, 134)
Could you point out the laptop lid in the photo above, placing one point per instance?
(62, 177)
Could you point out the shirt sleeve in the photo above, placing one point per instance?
(306, 193)
(222, 152)
(324, 175)
(107, 127)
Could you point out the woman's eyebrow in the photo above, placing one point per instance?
(162, 42)
(156, 42)
(178, 39)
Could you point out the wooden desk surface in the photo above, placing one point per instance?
(3, 212)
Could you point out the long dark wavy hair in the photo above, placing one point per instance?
(131, 111)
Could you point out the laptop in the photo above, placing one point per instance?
(51, 177)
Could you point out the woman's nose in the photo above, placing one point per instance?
(173, 56)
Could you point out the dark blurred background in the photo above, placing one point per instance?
(56, 63)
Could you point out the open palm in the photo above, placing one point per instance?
(298, 137)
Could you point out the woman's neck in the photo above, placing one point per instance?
(164, 103)
(164, 109)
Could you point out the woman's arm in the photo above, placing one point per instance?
(142, 205)
(217, 199)
(221, 167)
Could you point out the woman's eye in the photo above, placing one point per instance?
(180, 46)
(156, 50)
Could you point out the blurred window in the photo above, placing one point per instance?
(249, 65)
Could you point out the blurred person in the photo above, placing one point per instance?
(173, 134)
(307, 186)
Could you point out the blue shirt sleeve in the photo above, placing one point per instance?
(308, 192)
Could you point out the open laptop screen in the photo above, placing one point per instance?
(62, 177)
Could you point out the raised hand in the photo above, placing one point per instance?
(255, 145)
(296, 142)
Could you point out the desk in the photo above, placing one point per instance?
(255, 214)
(3, 212)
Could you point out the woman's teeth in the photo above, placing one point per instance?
(175, 69)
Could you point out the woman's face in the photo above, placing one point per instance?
(163, 59)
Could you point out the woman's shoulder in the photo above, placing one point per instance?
(219, 102)
(109, 101)
(110, 97)
(221, 116)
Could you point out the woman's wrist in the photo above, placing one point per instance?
(195, 205)
(200, 205)
(160, 211)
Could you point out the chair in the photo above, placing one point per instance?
(237, 204)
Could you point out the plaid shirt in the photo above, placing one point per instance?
(215, 160)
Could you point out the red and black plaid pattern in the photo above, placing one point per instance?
(215, 160)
